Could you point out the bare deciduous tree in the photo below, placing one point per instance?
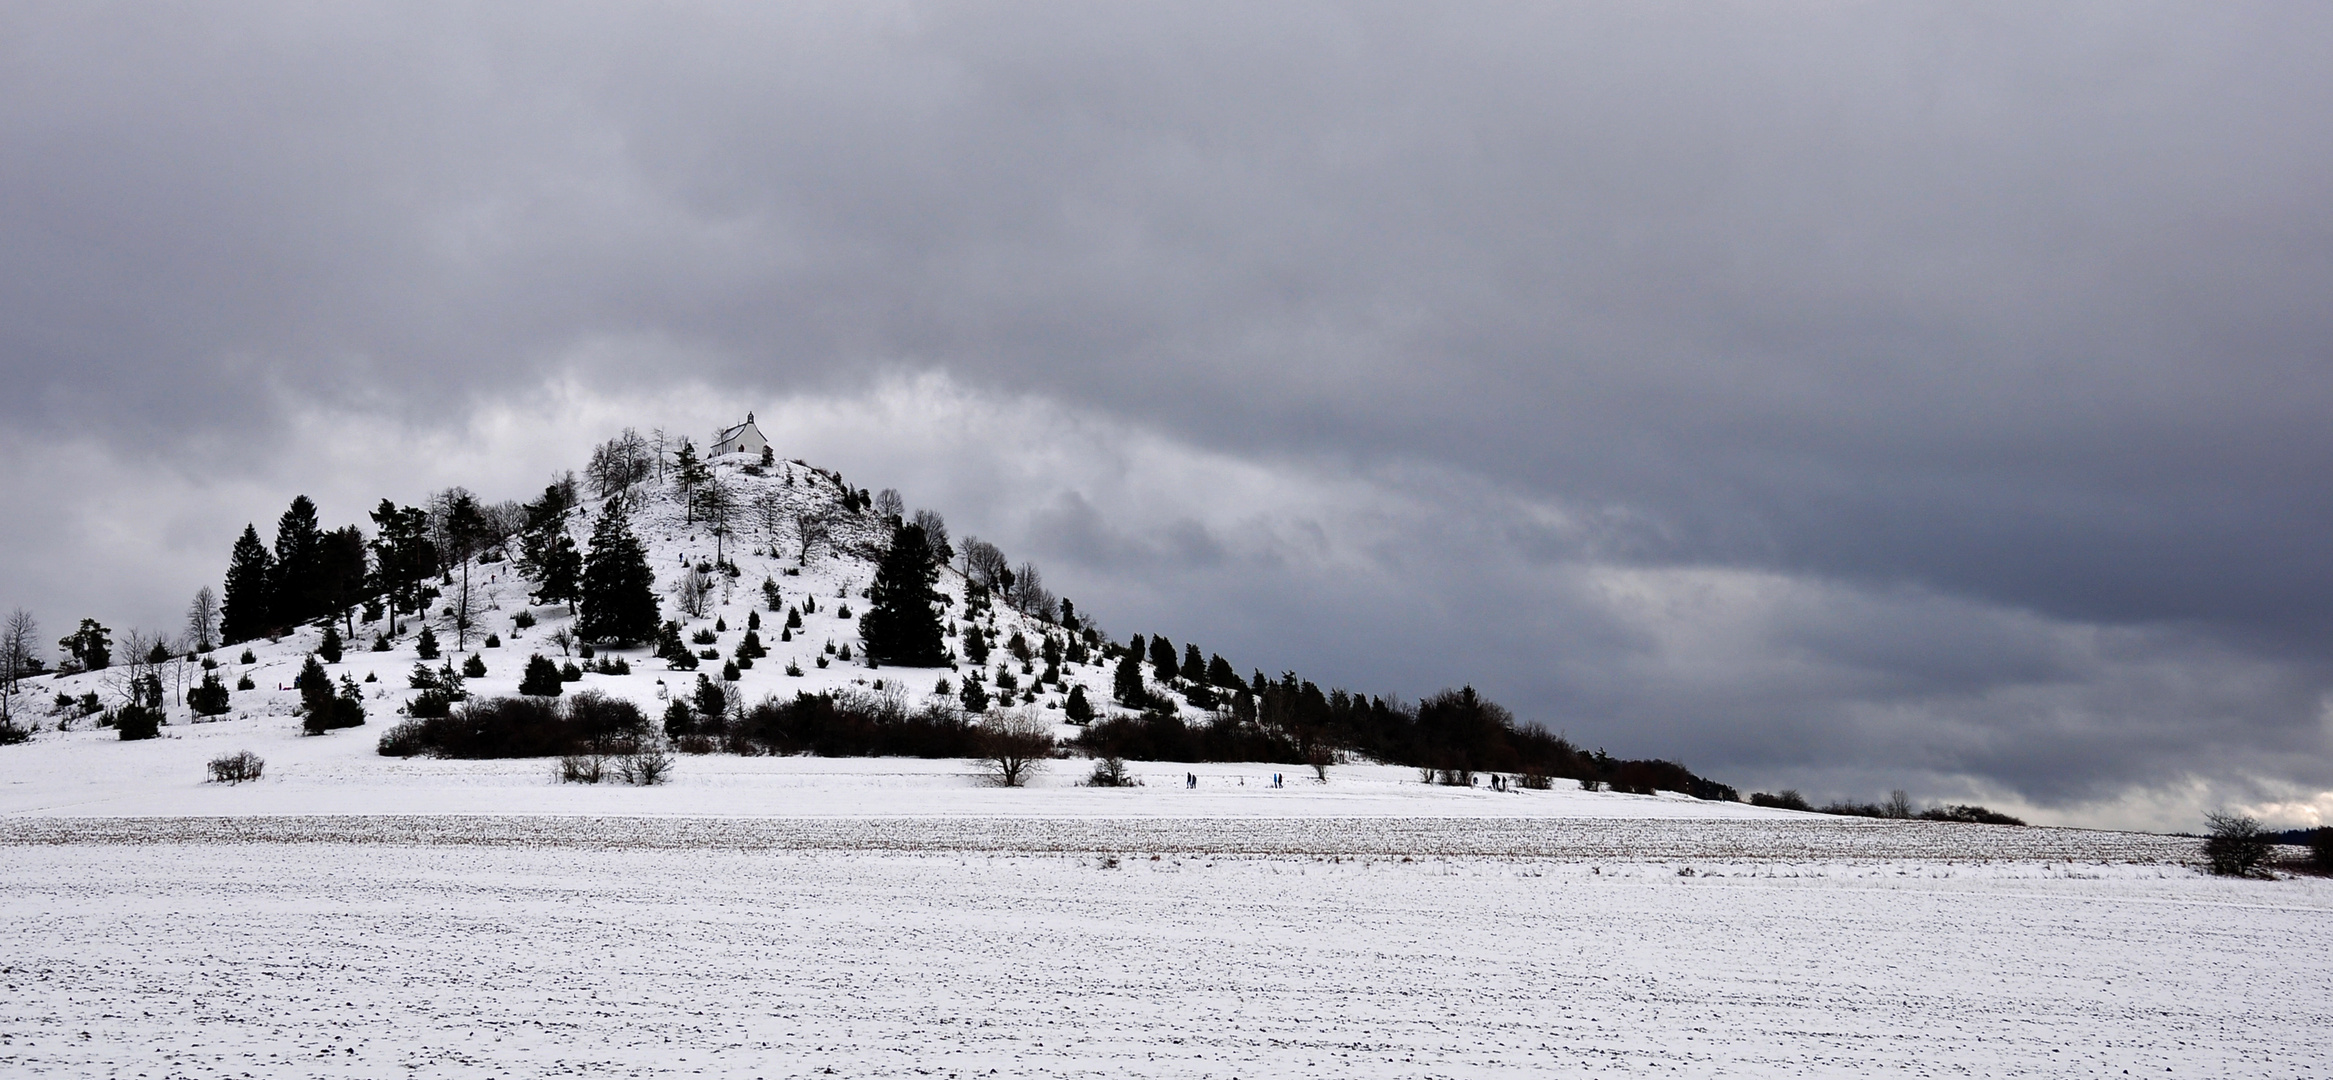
(19, 657)
(622, 462)
(889, 504)
(984, 562)
(1015, 743)
(693, 590)
(202, 620)
(811, 526)
(768, 513)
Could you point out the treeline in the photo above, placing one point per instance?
(1451, 737)
(1898, 807)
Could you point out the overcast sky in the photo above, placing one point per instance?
(1837, 396)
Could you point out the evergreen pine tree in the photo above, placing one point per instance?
(975, 697)
(541, 678)
(298, 547)
(1077, 708)
(404, 557)
(330, 647)
(1194, 668)
(474, 667)
(1126, 682)
(559, 572)
(340, 581)
(902, 624)
(619, 590)
(425, 646)
(712, 702)
(1219, 672)
(244, 614)
(321, 709)
(691, 475)
(209, 698)
(1162, 658)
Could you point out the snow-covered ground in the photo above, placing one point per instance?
(206, 959)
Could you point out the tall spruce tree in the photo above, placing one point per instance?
(619, 590)
(250, 572)
(340, 575)
(902, 625)
(298, 548)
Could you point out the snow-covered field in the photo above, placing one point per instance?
(265, 959)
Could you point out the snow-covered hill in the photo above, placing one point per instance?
(822, 578)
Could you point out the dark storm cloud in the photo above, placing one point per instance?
(2017, 312)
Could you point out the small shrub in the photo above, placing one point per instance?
(245, 683)
(493, 641)
(474, 667)
(568, 672)
(209, 697)
(541, 678)
(1789, 799)
(704, 637)
(1534, 780)
(405, 740)
(136, 722)
(380, 643)
(1111, 772)
(2237, 845)
(236, 768)
(647, 767)
(582, 769)
(524, 620)
(247, 658)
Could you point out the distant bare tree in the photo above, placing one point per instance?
(693, 590)
(768, 513)
(811, 526)
(202, 620)
(1015, 743)
(1027, 594)
(935, 533)
(622, 462)
(888, 504)
(984, 562)
(717, 504)
(19, 657)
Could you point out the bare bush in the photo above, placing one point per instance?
(1015, 744)
(1111, 772)
(2237, 845)
(236, 768)
(693, 591)
(646, 767)
(582, 769)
